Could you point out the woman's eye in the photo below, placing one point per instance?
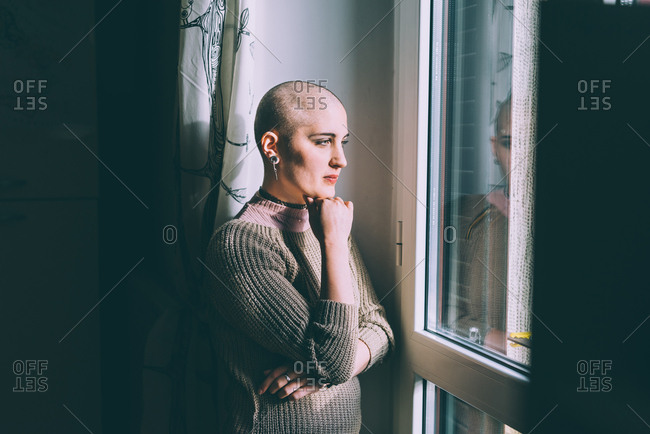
(323, 142)
(344, 142)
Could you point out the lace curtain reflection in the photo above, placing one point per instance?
(524, 130)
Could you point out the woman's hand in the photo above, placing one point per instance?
(330, 219)
(295, 387)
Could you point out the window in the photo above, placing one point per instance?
(446, 414)
(468, 297)
(465, 302)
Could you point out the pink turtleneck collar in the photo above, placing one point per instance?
(267, 213)
(500, 201)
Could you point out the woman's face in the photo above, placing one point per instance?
(312, 160)
(501, 143)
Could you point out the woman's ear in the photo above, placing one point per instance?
(269, 143)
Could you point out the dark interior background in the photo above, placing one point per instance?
(591, 227)
(137, 58)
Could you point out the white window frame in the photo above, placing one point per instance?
(492, 387)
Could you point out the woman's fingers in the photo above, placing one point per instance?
(273, 375)
(306, 389)
(284, 382)
(302, 392)
(308, 200)
(289, 388)
(298, 388)
(281, 381)
(277, 379)
(330, 218)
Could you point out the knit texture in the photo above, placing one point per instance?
(483, 238)
(264, 309)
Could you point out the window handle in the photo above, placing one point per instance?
(398, 243)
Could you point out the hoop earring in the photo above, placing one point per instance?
(275, 160)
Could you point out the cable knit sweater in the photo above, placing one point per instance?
(264, 309)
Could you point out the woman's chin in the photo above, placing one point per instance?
(324, 191)
(329, 191)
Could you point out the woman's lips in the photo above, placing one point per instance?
(331, 179)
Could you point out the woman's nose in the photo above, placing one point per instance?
(338, 157)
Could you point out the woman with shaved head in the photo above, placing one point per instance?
(292, 311)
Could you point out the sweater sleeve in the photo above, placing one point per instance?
(374, 329)
(249, 289)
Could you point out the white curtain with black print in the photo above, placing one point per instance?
(216, 71)
(240, 179)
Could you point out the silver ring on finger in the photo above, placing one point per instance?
(287, 378)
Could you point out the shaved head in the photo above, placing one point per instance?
(286, 106)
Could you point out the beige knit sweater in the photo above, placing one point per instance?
(264, 309)
(483, 254)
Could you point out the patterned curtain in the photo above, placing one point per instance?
(214, 135)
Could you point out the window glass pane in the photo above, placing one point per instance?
(446, 414)
(473, 303)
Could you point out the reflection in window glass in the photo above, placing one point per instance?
(474, 177)
(446, 414)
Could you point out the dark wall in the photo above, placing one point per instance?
(50, 359)
(137, 52)
(592, 238)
